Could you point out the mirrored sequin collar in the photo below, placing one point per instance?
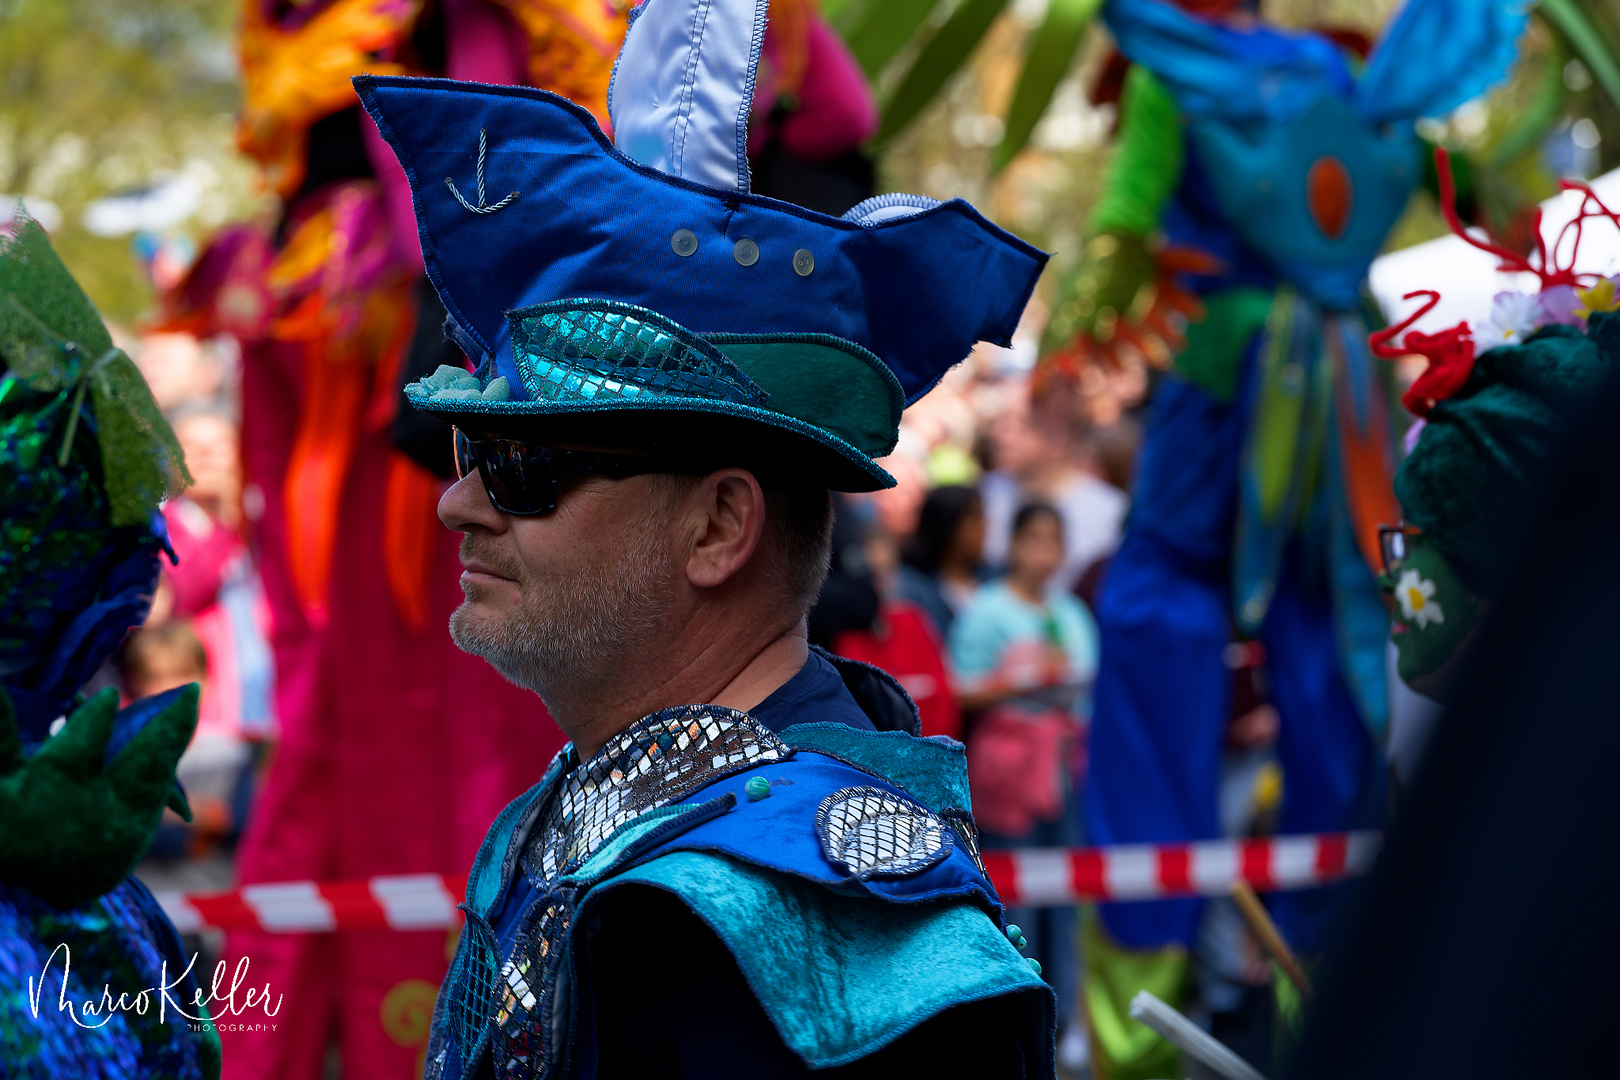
(658, 760)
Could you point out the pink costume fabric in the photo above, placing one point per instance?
(211, 554)
(836, 111)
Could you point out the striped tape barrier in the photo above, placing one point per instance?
(1043, 877)
(391, 902)
(1032, 877)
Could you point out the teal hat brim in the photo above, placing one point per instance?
(804, 408)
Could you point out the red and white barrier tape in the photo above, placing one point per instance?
(393, 902)
(1032, 877)
(1043, 877)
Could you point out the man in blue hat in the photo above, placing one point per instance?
(747, 862)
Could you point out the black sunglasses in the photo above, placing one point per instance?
(523, 478)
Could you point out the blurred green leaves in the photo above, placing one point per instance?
(878, 31)
(98, 96)
(1051, 50)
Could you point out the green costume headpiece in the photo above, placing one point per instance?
(1473, 479)
(85, 459)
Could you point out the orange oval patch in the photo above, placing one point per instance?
(1329, 193)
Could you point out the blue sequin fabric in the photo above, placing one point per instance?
(505, 991)
(570, 350)
(117, 943)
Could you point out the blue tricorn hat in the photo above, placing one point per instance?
(639, 295)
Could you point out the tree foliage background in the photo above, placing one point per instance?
(102, 96)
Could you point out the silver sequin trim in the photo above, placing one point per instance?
(657, 761)
(869, 832)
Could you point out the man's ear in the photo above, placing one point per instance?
(729, 513)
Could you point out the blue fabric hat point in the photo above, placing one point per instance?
(645, 277)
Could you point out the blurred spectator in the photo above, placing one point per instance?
(208, 435)
(940, 566)
(898, 507)
(1037, 455)
(904, 641)
(859, 616)
(214, 584)
(1025, 654)
(179, 369)
(161, 658)
(208, 625)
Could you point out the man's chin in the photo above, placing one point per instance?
(470, 626)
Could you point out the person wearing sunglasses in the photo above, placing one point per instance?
(747, 862)
(1470, 487)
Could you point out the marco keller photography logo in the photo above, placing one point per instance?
(227, 1005)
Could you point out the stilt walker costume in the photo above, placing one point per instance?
(732, 894)
(1269, 450)
(85, 458)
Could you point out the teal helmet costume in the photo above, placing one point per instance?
(633, 294)
(85, 457)
(634, 291)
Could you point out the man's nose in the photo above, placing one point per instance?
(466, 506)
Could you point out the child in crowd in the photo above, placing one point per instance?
(1025, 653)
(162, 658)
(159, 658)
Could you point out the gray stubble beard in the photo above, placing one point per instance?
(572, 633)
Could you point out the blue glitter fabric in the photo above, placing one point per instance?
(598, 349)
(118, 943)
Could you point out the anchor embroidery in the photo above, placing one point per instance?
(480, 208)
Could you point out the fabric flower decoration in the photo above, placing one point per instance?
(1416, 596)
(1413, 434)
(1561, 306)
(1600, 297)
(1514, 317)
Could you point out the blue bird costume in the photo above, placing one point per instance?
(1265, 467)
(713, 893)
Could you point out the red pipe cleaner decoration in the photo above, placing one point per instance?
(1546, 267)
(1450, 354)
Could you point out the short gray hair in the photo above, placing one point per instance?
(797, 537)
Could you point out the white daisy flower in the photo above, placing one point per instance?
(1514, 316)
(1416, 596)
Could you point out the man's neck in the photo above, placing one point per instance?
(725, 671)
